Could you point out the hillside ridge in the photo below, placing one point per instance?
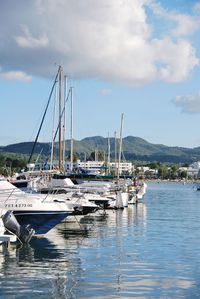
(134, 148)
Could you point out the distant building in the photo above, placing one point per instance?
(124, 167)
(90, 166)
(147, 171)
(193, 169)
(195, 165)
(100, 167)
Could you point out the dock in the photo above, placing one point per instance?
(7, 239)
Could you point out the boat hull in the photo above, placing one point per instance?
(41, 221)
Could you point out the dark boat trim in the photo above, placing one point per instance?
(41, 221)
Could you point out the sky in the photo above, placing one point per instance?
(136, 57)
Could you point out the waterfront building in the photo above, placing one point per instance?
(124, 167)
(100, 166)
(193, 169)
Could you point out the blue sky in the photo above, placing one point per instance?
(140, 58)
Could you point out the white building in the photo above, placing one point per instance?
(92, 166)
(195, 165)
(99, 166)
(193, 169)
(124, 167)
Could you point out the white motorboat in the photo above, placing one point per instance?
(82, 205)
(141, 191)
(2, 227)
(39, 211)
(101, 193)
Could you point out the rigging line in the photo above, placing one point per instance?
(39, 155)
(123, 156)
(61, 115)
(35, 128)
(36, 139)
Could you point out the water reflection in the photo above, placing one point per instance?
(151, 250)
(57, 264)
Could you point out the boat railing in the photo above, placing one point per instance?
(9, 192)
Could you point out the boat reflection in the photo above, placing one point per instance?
(137, 252)
(47, 265)
(73, 255)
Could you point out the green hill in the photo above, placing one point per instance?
(134, 148)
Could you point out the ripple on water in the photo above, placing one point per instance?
(151, 250)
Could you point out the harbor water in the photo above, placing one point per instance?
(148, 250)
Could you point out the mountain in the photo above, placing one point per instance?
(134, 148)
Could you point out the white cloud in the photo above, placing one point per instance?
(188, 103)
(27, 41)
(176, 59)
(185, 24)
(181, 24)
(197, 7)
(105, 91)
(15, 75)
(107, 39)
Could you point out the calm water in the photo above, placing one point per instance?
(148, 251)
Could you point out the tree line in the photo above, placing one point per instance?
(12, 163)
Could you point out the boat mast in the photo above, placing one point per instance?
(115, 136)
(120, 144)
(60, 126)
(72, 133)
(96, 156)
(108, 154)
(36, 139)
(64, 122)
(54, 118)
